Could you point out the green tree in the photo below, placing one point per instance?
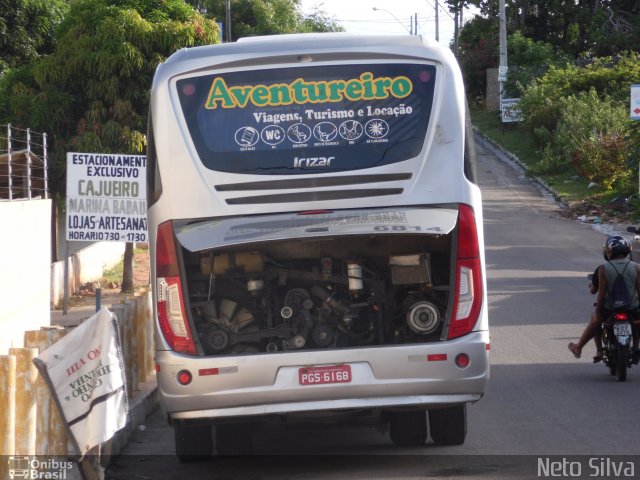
(580, 28)
(529, 60)
(457, 8)
(266, 17)
(477, 51)
(92, 93)
(319, 21)
(26, 29)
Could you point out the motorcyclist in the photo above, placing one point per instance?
(615, 250)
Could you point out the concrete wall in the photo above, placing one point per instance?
(492, 99)
(25, 263)
(84, 266)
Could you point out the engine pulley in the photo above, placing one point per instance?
(323, 336)
(217, 340)
(423, 317)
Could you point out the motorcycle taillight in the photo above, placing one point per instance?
(621, 317)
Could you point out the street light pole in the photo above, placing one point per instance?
(228, 19)
(375, 9)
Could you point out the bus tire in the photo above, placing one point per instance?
(193, 444)
(234, 439)
(408, 429)
(449, 425)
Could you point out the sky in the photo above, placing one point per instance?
(392, 16)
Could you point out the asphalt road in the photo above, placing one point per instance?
(541, 405)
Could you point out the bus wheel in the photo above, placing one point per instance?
(449, 425)
(234, 439)
(193, 444)
(408, 429)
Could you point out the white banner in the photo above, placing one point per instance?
(84, 371)
(106, 197)
(510, 110)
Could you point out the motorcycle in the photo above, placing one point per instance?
(617, 333)
(619, 328)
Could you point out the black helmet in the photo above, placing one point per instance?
(615, 246)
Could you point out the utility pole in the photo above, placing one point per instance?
(503, 68)
(437, 23)
(415, 31)
(228, 20)
(456, 31)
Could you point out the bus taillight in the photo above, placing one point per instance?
(170, 305)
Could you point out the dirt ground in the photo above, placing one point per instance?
(110, 294)
(618, 210)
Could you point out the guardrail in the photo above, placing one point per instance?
(29, 420)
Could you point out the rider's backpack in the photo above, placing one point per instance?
(619, 294)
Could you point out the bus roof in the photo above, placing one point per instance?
(306, 42)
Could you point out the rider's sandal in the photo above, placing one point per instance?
(573, 348)
(598, 357)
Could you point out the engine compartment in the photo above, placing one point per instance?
(318, 293)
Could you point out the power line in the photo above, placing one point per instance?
(423, 19)
(441, 8)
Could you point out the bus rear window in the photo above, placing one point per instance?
(308, 119)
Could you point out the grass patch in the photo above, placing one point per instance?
(510, 135)
(572, 188)
(113, 275)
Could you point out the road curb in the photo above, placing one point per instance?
(143, 402)
(141, 405)
(506, 156)
(512, 160)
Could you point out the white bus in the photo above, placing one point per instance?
(316, 238)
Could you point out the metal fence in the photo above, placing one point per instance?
(23, 164)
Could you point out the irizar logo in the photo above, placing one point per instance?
(312, 162)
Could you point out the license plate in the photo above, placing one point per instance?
(621, 329)
(324, 375)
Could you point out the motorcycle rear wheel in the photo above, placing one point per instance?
(622, 362)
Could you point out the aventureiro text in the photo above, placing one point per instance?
(366, 87)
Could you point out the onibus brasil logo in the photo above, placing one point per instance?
(40, 468)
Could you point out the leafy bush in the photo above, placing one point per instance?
(602, 159)
(578, 116)
(585, 116)
(611, 77)
(529, 60)
(541, 109)
(590, 137)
